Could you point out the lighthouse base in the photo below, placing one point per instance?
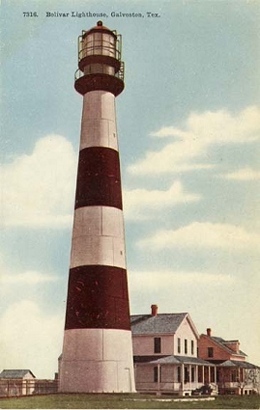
(96, 361)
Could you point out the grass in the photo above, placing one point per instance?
(126, 401)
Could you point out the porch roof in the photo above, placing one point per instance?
(181, 360)
(238, 363)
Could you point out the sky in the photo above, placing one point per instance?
(188, 124)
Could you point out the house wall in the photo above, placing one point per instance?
(184, 332)
(144, 377)
(28, 384)
(238, 358)
(144, 345)
(219, 353)
(28, 376)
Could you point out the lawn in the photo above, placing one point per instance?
(127, 401)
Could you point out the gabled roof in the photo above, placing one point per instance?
(15, 373)
(224, 344)
(164, 323)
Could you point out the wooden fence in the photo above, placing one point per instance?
(22, 387)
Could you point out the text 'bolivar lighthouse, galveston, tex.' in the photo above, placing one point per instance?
(89, 14)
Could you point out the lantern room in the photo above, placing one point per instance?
(99, 54)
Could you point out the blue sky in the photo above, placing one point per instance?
(188, 123)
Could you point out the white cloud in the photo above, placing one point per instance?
(174, 157)
(188, 150)
(243, 174)
(37, 189)
(165, 279)
(142, 203)
(30, 339)
(28, 278)
(203, 235)
(217, 127)
(9, 276)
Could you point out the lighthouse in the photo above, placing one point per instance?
(97, 346)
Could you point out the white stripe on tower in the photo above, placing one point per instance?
(99, 126)
(97, 349)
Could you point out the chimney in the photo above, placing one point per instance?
(154, 310)
(209, 332)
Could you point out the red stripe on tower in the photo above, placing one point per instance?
(97, 347)
(98, 181)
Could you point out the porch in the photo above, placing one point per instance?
(178, 375)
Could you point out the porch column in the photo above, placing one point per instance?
(209, 374)
(202, 374)
(196, 374)
(182, 377)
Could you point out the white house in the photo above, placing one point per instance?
(165, 355)
(16, 382)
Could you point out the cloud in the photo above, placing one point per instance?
(17, 283)
(37, 189)
(30, 339)
(199, 235)
(218, 127)
(180, 290)
(28, 278)
(163, 279)
(141, 204)
(189, 146)
(243, 174)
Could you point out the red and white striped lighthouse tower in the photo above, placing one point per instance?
(97, 347)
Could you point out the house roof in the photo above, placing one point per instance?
(15, 373)
(181, 360)
(164, 323)
(238, 363)
(224, 344)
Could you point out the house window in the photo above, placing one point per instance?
(156, 374)
(210, 352)
(212, 375)
(200, 374)
(179, 374)
(179, 345)
(233, 376)
(192, 374)
(192, 347)
(218, 375)
(185, 346)
(186, 375)
(157, 345)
